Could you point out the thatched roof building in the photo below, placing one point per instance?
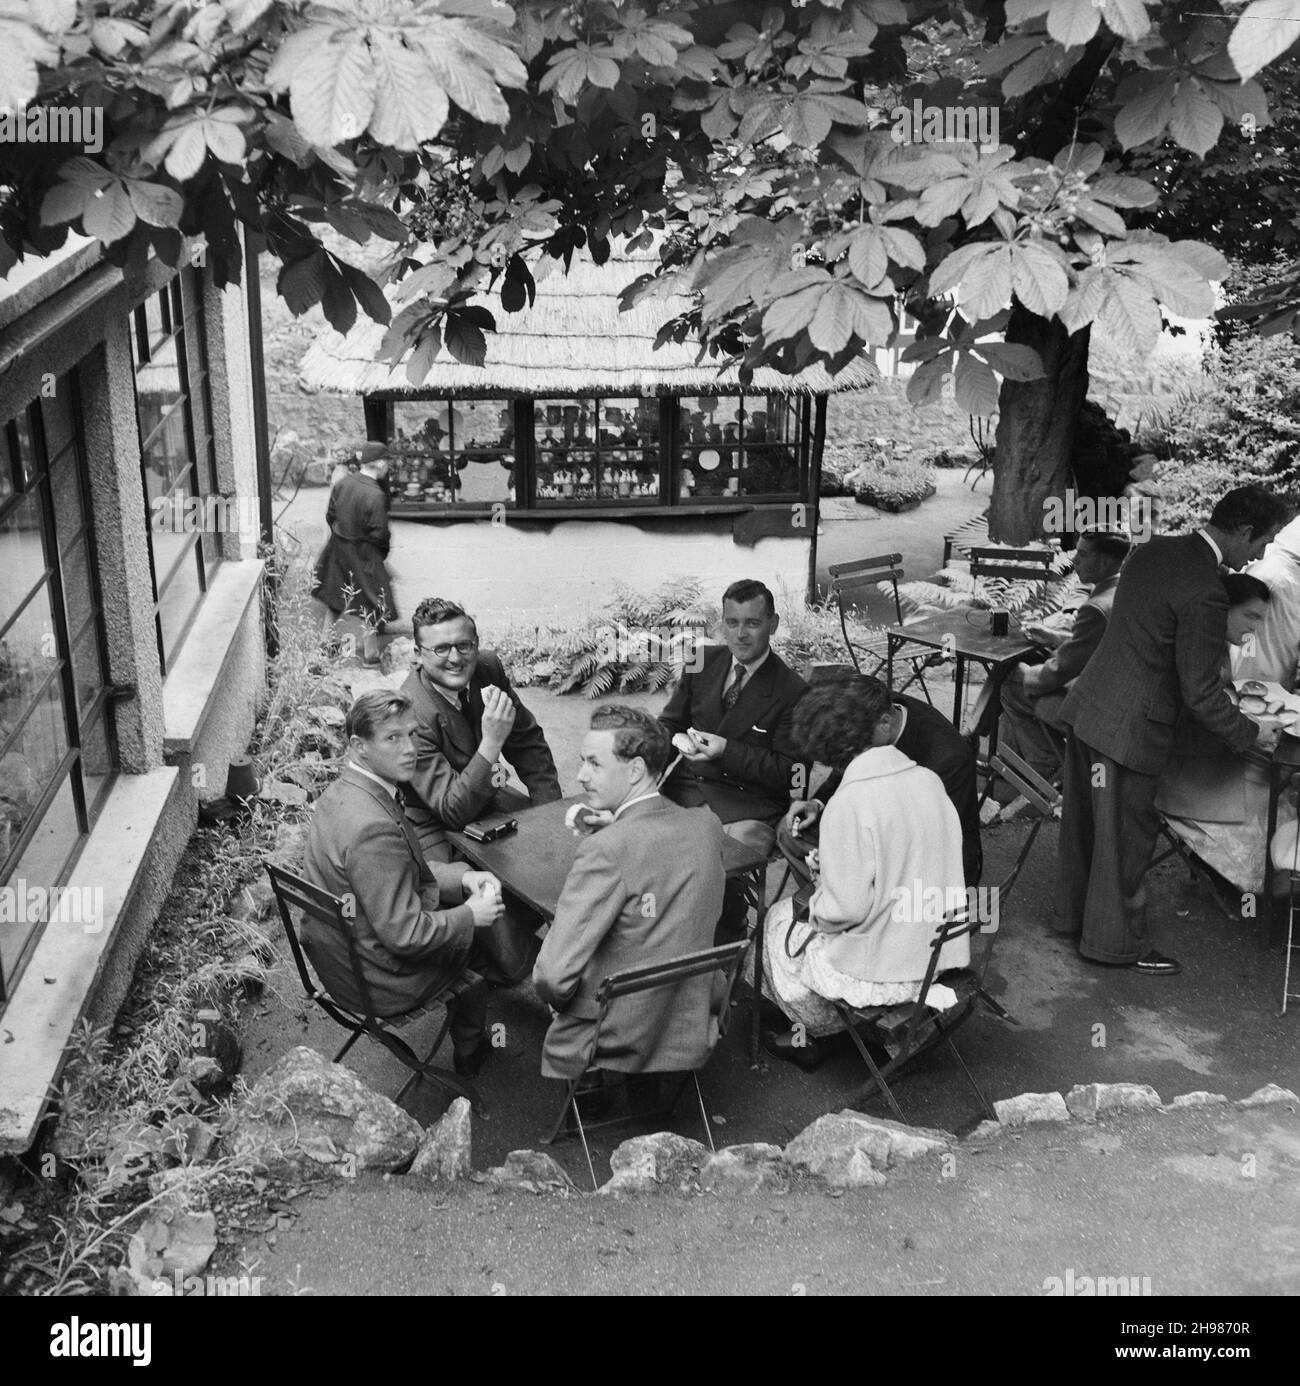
(574, 340)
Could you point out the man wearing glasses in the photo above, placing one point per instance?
(468, 718)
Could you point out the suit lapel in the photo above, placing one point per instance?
(454, 728)
(390, 807)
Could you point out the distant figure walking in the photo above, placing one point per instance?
(351, 574)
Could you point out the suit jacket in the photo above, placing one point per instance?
(410, 945)
(1162, 652)
(452, 784)
(1068, 660)
(644, 889)
(754, 776)
(931, 740)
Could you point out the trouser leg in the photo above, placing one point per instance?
(1125, 825)
(1075, 849)
(467, 1016)
(753, 832)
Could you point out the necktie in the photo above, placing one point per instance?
(463, 697)
(408, 832)
(732, 695)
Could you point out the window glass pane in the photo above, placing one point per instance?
(65, 486)
(31, 757)
(444, 454)
(170, 546)
(22, 555)
(96, 763)
(25, 454)
(87, 669)
(177, 604)
(58, 416)
(41, 865)
(165, 448)
(709, 435)
(600, 450)
(78, 594)
(157, 319)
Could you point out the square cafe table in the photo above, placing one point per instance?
(953, 634)
(533, 863)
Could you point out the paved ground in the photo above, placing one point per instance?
(1199, 1202)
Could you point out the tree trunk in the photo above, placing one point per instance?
(1036, 425)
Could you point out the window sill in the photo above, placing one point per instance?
(547, 513)
(55, 988)
(201, 663)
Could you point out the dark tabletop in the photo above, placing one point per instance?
(534, 862)
(951, 631)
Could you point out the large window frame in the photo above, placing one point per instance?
(172, 318)
(669, 455)
(29, 475)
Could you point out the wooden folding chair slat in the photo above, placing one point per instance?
(293, 892)
(851, 579)
(921, 1025)
(725, 959)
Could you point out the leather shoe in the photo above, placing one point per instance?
(469, 1065)
(1157, 965)
(807, 1055)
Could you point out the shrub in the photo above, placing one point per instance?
(894, 486)
(1242, 426)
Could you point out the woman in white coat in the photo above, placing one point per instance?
(888, 867)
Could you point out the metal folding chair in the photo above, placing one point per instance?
(725, 960)
(909, 1030)
(292, 892)
(1043, 796)
(1005, 566)
(850, 580)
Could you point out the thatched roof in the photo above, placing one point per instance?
(572, 341)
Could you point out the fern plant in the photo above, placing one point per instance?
(954, 588)
(640, 644)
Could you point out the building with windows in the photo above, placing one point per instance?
(131, 646)
(580, 452)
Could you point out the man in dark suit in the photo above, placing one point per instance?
(416, 928)
(644, 889)
(1162, 653)
(1033, 694)
(468, 717)
(731, 719)
(930, 739)
(358, 543)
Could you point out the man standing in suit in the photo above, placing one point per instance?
(731, 722)
(468, 715)
(1033, 694)
(1162, 653)
(924, 735)
(644, 889)
(416, 929)
(358, 543)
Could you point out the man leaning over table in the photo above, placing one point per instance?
(469, 718)
(644, 889)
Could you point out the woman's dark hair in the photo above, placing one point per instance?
(833, 722)
(1242, 588)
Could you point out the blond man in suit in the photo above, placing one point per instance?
(644, 889)
(416, 927)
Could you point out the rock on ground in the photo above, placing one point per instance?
(648, 1163)
(1032, 1106)
(1269, 1094)
(835, 1147)
(305, 1107)
(1196, 1099)
(1087, 1101)
(528, 1170)
(755, 1168)
(444, 1151)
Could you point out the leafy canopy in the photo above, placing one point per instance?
(781, 159)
